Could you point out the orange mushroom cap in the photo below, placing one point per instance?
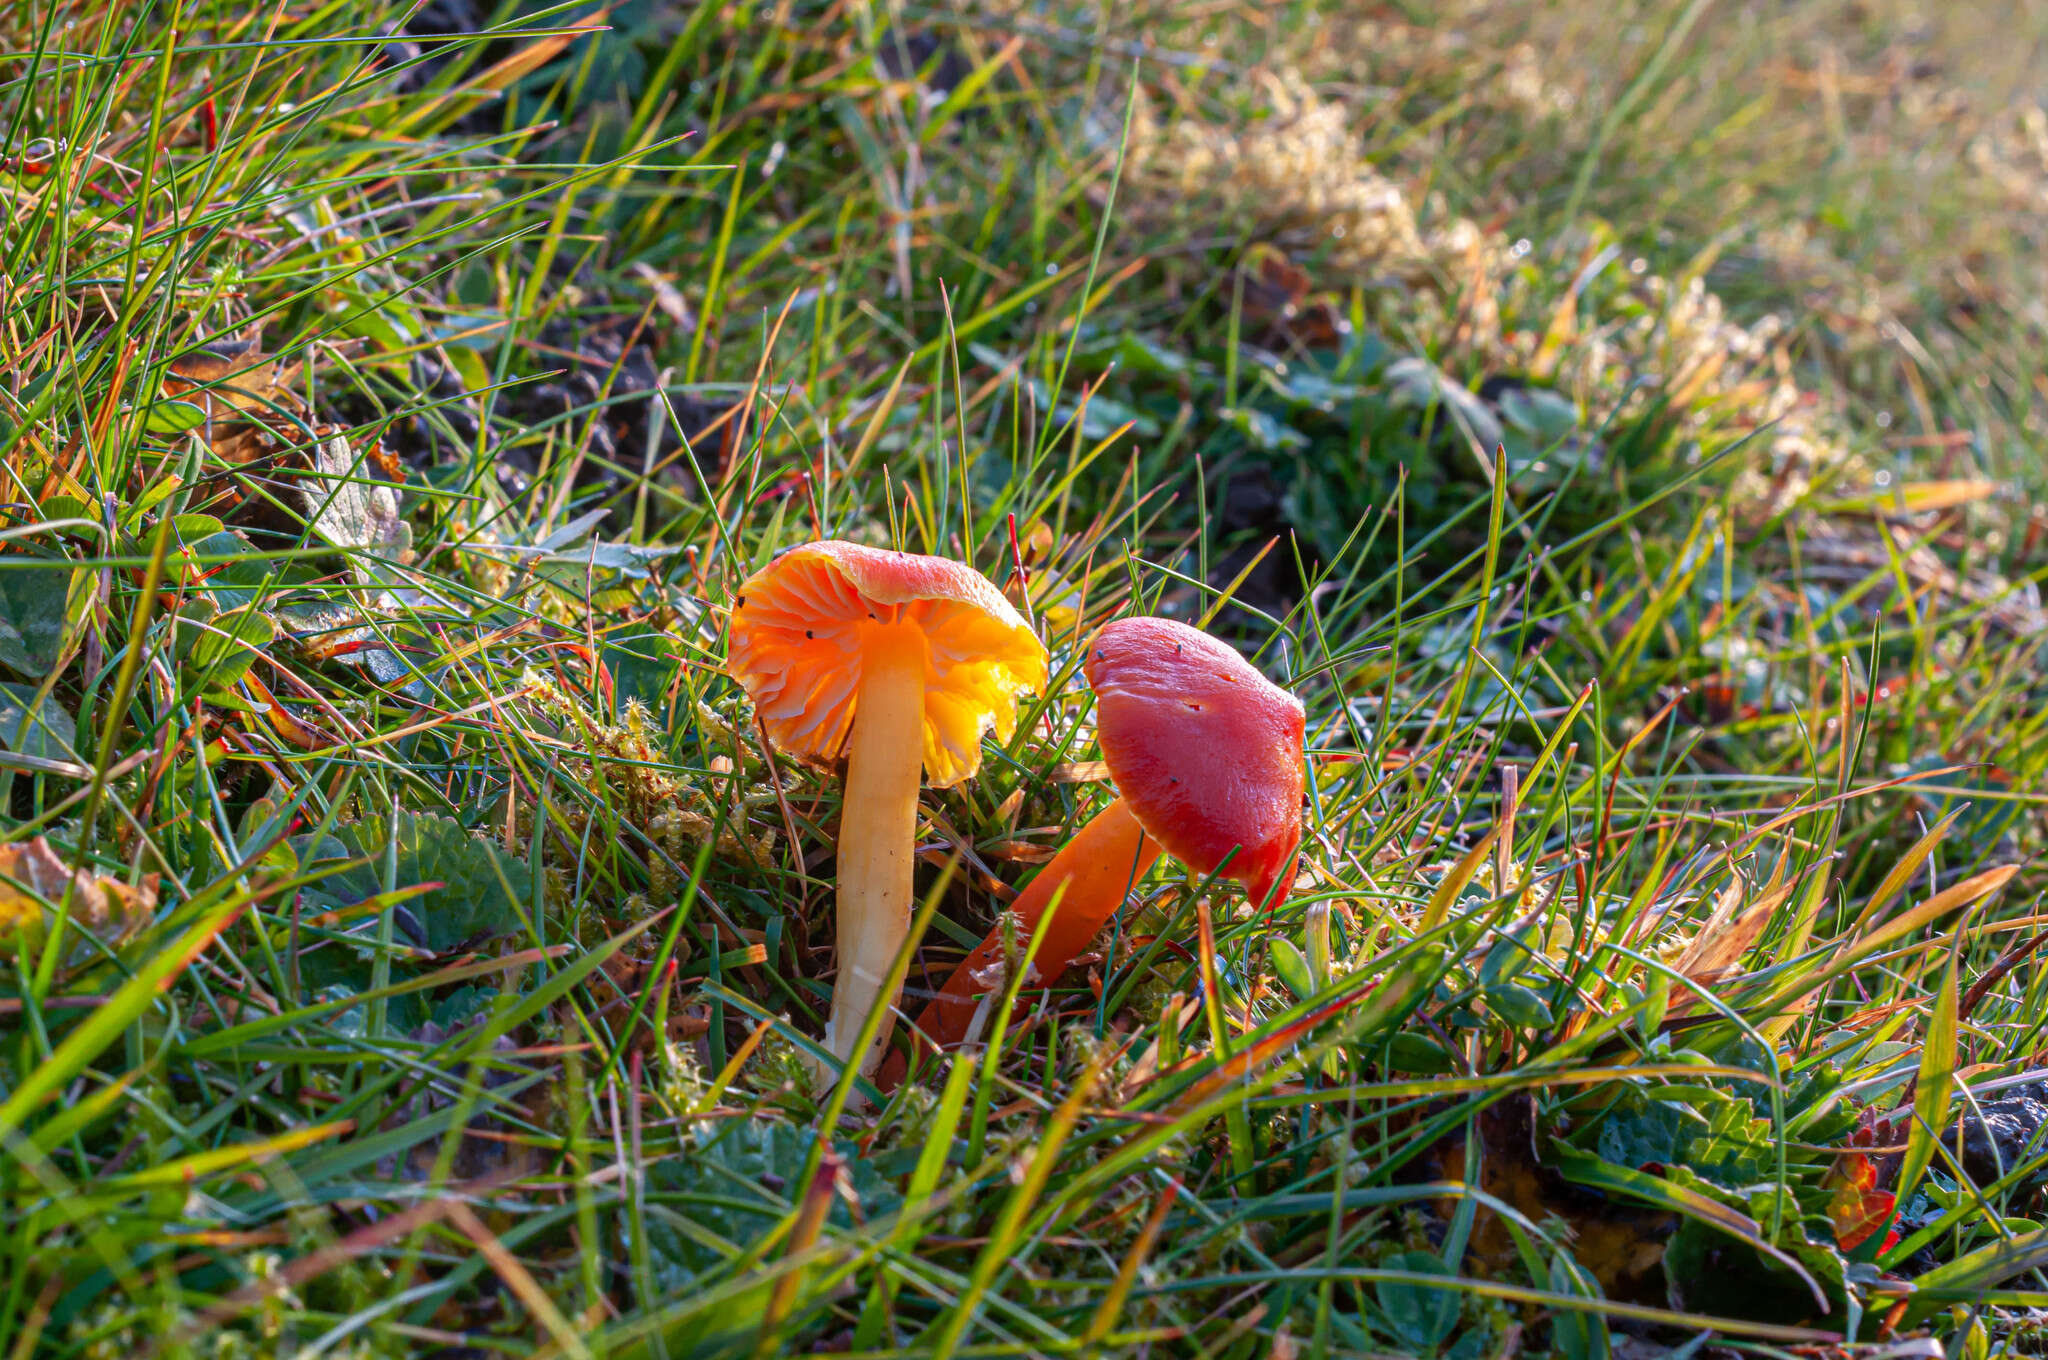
(801, 625)
(1206, 750)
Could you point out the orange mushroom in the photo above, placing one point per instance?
(1206, 755)
(899, 662)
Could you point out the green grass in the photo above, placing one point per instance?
(411, 944)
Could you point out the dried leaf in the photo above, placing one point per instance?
(1020, 852)
(1618, 1242)
(242, 394)
(348, 512)
(34, 883)
(666, 296)
(1721, 943)
(1079, 772)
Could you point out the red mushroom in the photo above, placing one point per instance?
(899, 662)
(1206, 754)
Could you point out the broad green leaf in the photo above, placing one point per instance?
(1292, 966)
(1412, 1052)
(173, 417)
(1420, 1316)
(35, 728)
(1796, 1281)
(1719, 1137)
(1697, 1207)
(34, 605)
(481, 887)
(1519, 1006)
(643, 662)
(1580, 1336)
(226, 646)
(1265, 433)
(736, 1182)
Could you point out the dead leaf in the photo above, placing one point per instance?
(34, 882)
(1079, 772)
(246, 396)
(666, 296)
(1279, 295)
(343, 506)
(1020, 852)
(1714, 953)
(1622, 1245)
(387, 463)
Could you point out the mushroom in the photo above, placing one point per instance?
(901, 662)
(1206, 755)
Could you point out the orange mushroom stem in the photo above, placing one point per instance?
(1090, 877)
(1206, 754)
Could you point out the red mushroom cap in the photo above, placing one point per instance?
(800, 630)
(1206, 750)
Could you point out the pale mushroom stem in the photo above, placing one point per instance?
(878, 833)
(1097, 868)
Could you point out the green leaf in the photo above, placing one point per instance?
(1519, 1006)
(1708, 1214)
(1580, 1336)
(1292, 966)
(1936, 1082)
(222, 651)
(481, 886)
(1710, 1272)
(190, 531)
(130, 518)
(1410, 1052)
(732, 1184)
(1418, 382)
(34, 603)
(1131, 352)
(237, 577)
(1506, 957)
(42, 729)
(1539, 412)
(1421, 1316)
(1262, 430)
(1719, 1137)
(173, 417)
(643, 662)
